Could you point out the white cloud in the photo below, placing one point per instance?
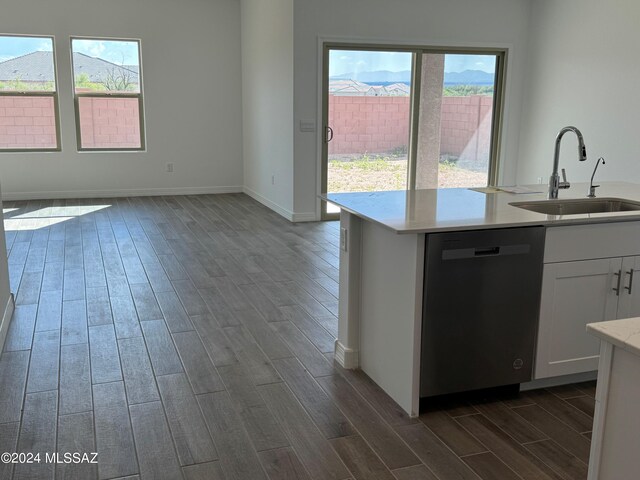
(44, 46)
(97, 48)
(90, 47)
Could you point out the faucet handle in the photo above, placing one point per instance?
(564, 183)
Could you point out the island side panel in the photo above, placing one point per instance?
(600, 414)
(391, 274)
(617, 435)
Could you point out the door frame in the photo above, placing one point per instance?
(501, 54)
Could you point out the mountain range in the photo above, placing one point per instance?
(386, 77)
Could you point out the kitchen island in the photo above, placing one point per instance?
(615, 438)
(383, 238)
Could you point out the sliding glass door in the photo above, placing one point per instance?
(409, 118)
(369, 120)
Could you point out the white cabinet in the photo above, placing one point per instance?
(578, 292)
(629, 300)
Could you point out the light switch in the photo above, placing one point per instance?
(307, 126)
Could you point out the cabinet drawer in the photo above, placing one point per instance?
(601, 240)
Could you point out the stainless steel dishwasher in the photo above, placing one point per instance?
(480, 312)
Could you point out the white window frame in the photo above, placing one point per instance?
(37, 93)
(106, 94)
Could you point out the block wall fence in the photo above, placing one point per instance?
(381, 124)
(109, 122)
(360, 124)
(29, 122)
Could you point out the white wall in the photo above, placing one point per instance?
(267, 102)
(192, 93)
(583, 71)
(6, 302)
(490, 23)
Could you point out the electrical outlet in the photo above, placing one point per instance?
(540, 180)
(343, 239)
(169, 167)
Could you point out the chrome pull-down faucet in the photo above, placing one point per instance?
(554, 180)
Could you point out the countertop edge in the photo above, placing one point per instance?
(617, 189)
(460, 227)
(624, 333)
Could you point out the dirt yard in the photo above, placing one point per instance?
(368, 175)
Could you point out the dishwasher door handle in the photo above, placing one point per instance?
(485, 252)
(482, 252)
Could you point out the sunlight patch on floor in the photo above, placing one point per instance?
(46, 216)
(21, 224)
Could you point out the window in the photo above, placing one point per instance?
(108, 94)
(28, 95)
(456, 119)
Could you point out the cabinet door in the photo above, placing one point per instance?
(629, 302)
(574, 294)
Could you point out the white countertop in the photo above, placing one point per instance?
(621, 333)
(438, 210)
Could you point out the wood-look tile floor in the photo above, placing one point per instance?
(191, 337)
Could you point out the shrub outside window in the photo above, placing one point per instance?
(108, 94)
(28, 95)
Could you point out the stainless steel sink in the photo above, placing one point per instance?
(579, 206)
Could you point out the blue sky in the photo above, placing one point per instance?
(460, 63)
(349, 61)
(120, 52)
(11, 47)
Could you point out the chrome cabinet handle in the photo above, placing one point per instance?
(630, 273)
(617, 287)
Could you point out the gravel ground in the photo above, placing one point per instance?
(387, 174)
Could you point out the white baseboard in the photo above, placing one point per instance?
(6, 319)
(280, 210)
(346, 357)
(305, 217)
(562, 380)
(288, 214)
(135, 192)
